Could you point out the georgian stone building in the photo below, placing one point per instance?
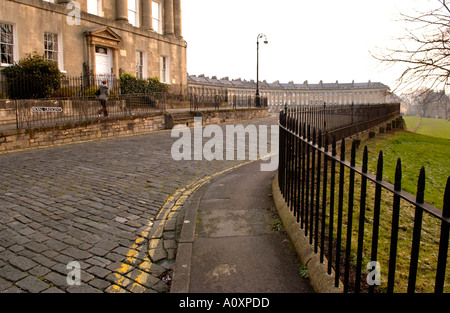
(280, 94)
(105, 37)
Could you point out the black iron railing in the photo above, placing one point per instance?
(343, 121)
(43, 86)
(43, 113)
(343, 209)
(222, 101)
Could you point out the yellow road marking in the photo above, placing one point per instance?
(155, 227)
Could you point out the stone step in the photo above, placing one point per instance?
(183, 119)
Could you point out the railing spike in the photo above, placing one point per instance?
(443, 242)
(421, 186)
(446, 208)
(353, 155)
(314, 136)
(380, 166)
(320, 138)
(365, 159)
(334, 145)
(415, 247)
(398, 175)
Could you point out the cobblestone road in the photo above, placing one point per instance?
(110, 205)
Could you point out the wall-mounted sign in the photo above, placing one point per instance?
(47, 109)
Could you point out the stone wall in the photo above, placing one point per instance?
(108, 128)
(224, 116)
(7, 112)
(56, 135)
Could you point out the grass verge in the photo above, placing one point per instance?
(439, 128)
(415, 151)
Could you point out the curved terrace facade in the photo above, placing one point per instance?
(280, 94)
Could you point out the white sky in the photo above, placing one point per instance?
(310, 40)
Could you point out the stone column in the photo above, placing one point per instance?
(91, 56)
(177, 17)
(147, 14)
(121, 10)
(168, 17)
(116, 62)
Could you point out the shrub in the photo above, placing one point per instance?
(90, 91)
(156, 86)
(129, 84)
(32, 77)
(66, 92)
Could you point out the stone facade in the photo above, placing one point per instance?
(143, 38)
(280, 94)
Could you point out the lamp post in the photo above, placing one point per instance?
(258, 98)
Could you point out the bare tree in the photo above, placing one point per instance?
(425, 49)
(427, 103)
(407, 101)
(444, 105)
(427, 100)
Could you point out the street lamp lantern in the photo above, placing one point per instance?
(258, 98)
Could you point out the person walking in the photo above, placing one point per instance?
(103, 94)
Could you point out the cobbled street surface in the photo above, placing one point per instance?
(110, 205)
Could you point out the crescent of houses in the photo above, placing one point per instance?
(280, 94)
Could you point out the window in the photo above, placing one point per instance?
(133, 16)
(94, 7)
(51, 1)
(101, 50)
(51, 47)
(165, 70)
(7, 43)
(140, 65)
(156, 17)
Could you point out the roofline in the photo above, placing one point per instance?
(244, 84)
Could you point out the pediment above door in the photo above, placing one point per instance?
(103, 36)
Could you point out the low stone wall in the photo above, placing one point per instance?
(176, 104)
(7, 112)
(107, 128)
(65, 134)
(225, 116)
(317, 271)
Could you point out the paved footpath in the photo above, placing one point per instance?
(232, 240)
(112, 206)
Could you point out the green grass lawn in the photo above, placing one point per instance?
(415, 151)
(412, 121)
(439, 128)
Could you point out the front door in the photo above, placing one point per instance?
(103, 61)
